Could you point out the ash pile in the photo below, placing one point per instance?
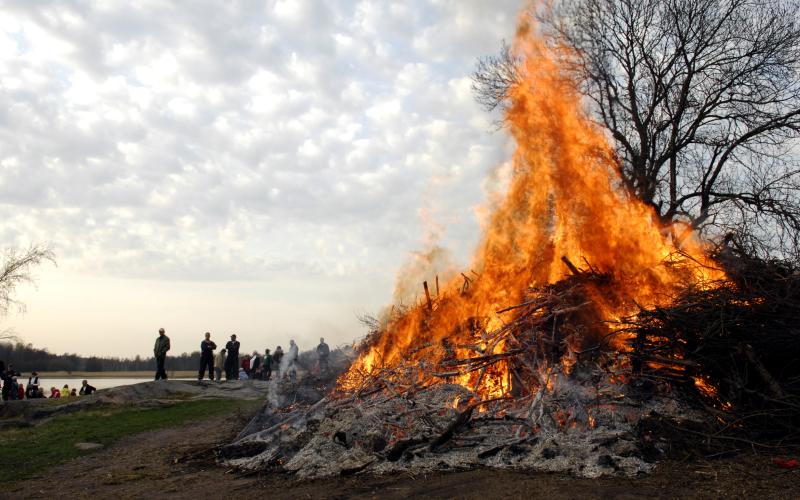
(554, 387)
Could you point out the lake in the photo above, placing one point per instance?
(98, 383)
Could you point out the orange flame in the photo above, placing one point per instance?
(565, 198)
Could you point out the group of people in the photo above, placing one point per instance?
(256, 366)
(13, 389)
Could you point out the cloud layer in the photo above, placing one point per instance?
(243, 140)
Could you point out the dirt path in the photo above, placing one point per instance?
(176, 463)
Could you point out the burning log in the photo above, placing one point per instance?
(427, 295)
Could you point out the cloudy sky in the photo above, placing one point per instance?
(257, 167)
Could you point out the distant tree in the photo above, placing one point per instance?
(701, 99)
(16, 269)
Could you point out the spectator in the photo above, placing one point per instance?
(55, 393)
(323, 353)
(33, 385)
(243, 374)
(232, 363)
(246, 364)
(277, 357)
(291, 360)
(219, 362)
(86, 389)
(160, 351)
(65, 393)
(207, 347)
(20, 391)
(74, 393)
(8, 375)
(267, 365)
(255, 366)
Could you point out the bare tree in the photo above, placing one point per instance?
(701, 99)
(15, 270)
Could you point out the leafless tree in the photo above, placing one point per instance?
(15, 270)
(701, 99)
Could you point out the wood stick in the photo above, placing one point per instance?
(437, 286)
(574, 270)
(427, 295)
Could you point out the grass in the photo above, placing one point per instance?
(28, 451)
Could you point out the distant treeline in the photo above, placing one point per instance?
(27, 358)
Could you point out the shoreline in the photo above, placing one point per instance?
(116, 374)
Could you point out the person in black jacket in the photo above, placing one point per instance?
(207, 347)
(232, 361)
(86, 389)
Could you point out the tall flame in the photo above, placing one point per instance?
(565, 199)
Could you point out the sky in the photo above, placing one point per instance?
(264, 168)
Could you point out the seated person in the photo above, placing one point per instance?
(86, 389)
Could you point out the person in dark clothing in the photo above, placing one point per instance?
(267, 365)
(33, 385)
(86, 389)
(232, 361)
(160, 352)
(9, 386)
(276, 360)
(323, 353)
(207, 347)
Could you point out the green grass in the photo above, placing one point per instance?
(27, 451)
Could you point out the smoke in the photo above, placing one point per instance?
(424, 266)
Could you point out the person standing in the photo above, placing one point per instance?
(323, 353)
(8, 376)
(160, 351)
(232, 363)
(207, 347)
(276, 359)
(267, 365)
(291, 360)
(255, 366)
(219, 362)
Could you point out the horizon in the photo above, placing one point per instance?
(260, 171)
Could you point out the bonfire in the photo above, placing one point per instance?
(583, 329)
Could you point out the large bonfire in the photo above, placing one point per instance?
(580, 318)
(565, 208)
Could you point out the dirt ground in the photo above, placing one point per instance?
(178, 463)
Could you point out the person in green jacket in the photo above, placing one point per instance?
(160, 351)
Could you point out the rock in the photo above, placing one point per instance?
(88, 446)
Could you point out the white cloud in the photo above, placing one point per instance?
(154, 140)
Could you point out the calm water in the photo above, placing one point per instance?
(98, 383)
